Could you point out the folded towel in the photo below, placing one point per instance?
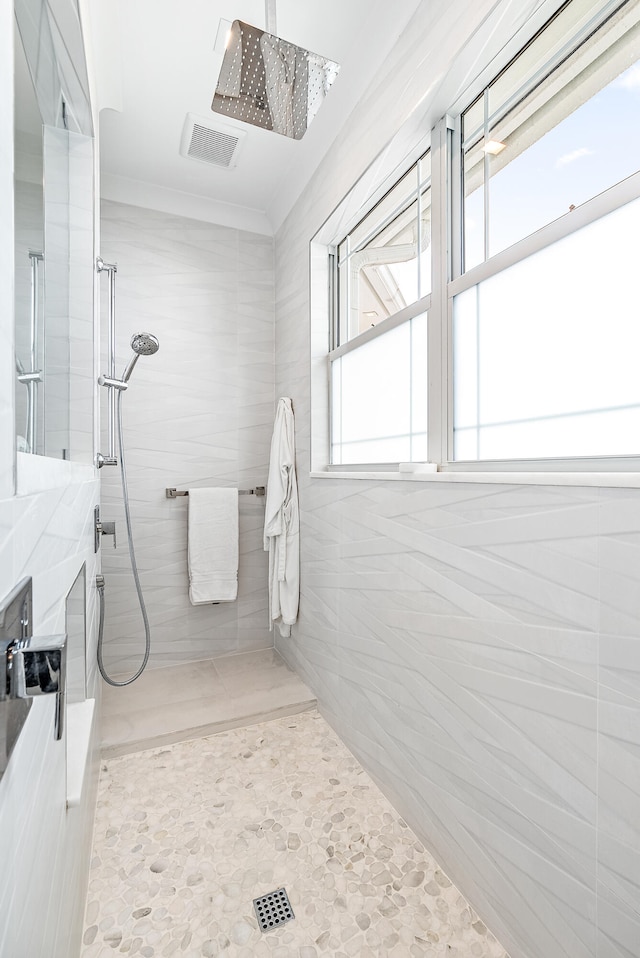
(213, 545)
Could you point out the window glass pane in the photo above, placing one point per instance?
(546, 352)
(474, 207)
(336, 407)
(425, 243)
(388, 207)
(419, 389)
(392, 270)
(590, 150)
(379, 398)
(341, 320)
(376, 451)
(375, 387)
(473, 121)
(384, 273)
(544, 48)
(419, 380)
(568, 138)
(385, 261)
(465, 346)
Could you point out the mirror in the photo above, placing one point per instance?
(53, 215)
(28, 250)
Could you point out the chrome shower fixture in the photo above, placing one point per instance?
(145, 344)
(142, 344)
(270, 83)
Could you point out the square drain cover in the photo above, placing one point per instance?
(273, 909)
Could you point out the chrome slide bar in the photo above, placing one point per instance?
(109, 379)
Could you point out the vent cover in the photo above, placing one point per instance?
(217, 145)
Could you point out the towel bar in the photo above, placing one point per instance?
(173, 493)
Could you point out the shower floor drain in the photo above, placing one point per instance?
(273, 909)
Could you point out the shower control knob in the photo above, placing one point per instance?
(30, 666)
(108, 529)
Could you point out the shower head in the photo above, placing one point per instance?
(142, 344)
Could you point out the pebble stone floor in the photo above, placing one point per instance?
(188, 835)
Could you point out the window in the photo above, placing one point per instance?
(544, 344)
(379, 365)
(378, 398)
(384, 263)
(527, 349)
(555, 128)
(547, 352)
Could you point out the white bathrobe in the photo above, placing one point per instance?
(282, 523)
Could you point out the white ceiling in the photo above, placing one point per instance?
(155, 62)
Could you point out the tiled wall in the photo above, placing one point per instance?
(197, 413)
(44, 846)
(475, 645)
(46, 533)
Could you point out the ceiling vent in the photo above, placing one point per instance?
(215, 144)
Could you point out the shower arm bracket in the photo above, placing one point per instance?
(105, 380)
(105, 460)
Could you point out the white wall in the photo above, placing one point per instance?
(197, 413)
(47, 534)
(44, 846)
(475, 645)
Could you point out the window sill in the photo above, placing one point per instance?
(630, 480)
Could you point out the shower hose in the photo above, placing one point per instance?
(134, 568)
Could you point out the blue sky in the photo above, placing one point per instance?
(590, 150)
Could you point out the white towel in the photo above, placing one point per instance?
(213, 545)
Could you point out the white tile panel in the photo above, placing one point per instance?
(197, 413)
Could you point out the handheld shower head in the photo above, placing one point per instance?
(143, 344)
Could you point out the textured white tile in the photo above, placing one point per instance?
(7, 573)
(47, 535)
(187, 700)
(198, 413)
(619, 927)
(620, 665)
(619, 798)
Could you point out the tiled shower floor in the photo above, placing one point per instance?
(199, 698)
(188, 835)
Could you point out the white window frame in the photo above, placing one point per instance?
(338, 321)
(594, 209)
(590, 211)
(448, 281)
